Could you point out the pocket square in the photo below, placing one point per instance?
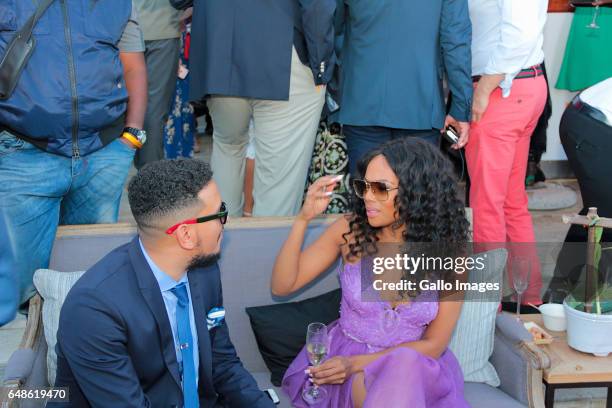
(215, 317)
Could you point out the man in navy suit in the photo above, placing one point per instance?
(269, 61)
(144, 327)
(393, 59)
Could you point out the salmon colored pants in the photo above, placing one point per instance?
(496, 155)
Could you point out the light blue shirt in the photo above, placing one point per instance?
(166, 284)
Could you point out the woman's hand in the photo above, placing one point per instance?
(336, 370)
(318, 197)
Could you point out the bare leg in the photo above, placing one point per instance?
(247, 211)
(358, 390)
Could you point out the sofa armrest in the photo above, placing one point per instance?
(21, 362)
(519, 362)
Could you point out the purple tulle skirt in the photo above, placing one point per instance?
(401, 378)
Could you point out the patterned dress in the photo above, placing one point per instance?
(179, 129)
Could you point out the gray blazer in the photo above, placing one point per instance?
(393, 57)
(243, 47)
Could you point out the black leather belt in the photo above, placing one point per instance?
(589, 111)
(530, 72)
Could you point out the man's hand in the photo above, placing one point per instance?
(486, 85)
(336, 370)
(462, 127)
(480, 103)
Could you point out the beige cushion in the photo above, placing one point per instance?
(472, 341)
(53, 286)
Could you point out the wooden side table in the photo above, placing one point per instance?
(570, 368)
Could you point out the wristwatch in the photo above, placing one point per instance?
(136, 137)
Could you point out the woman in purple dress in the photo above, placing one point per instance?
(381, 354)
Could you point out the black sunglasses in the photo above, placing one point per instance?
(221, 216)
(380, 190)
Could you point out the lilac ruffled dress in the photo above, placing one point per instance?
(402, 377)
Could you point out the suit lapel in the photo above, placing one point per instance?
(198, 289)
(153, 297)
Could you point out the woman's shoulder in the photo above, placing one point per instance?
(342, 234)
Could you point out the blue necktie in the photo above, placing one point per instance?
(190, 388)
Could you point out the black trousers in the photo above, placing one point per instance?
(588, 145)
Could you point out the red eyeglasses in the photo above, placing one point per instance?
(221, 216)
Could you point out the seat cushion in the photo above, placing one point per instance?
(53, 287)
(480, 395)
(263, 381)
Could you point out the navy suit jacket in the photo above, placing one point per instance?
(115, 345)
(393, 55)
(242, 48)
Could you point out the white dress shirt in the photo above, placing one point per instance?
(599, 96)
(507, 36)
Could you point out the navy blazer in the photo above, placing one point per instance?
(115, 345)
(242, 48)
(393, 57)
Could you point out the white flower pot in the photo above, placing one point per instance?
(588, 332)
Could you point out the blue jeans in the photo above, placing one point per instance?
(9, 284)
(362, 139)
(39, 190)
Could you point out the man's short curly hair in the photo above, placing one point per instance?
(166, 187)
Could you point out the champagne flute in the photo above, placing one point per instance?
(317, 346)
(593, 24)
(521, 271)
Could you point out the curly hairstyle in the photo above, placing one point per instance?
(427, 202)
(166, 187)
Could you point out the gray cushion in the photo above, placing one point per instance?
(19, 365)
(263, 381)
(477, 395)
(53, 287)
(472, 341)
(485, 396)
(508, 359)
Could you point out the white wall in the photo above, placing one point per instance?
(555, 37)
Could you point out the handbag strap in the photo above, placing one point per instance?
(28, 27)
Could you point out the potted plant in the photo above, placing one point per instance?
(589, 307)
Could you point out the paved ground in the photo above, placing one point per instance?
(548, 228)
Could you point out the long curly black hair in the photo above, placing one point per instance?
(427, 202)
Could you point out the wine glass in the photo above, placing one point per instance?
(317, 346)
(521, 271)
(593, 24)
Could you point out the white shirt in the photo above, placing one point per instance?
(599, 96)
(507, 36)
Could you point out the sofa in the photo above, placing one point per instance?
(249, 249)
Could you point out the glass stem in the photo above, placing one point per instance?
(518, 305)
(595, 15)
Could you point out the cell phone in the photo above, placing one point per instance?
(451, 134)
(272, 395)
(332, 105)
